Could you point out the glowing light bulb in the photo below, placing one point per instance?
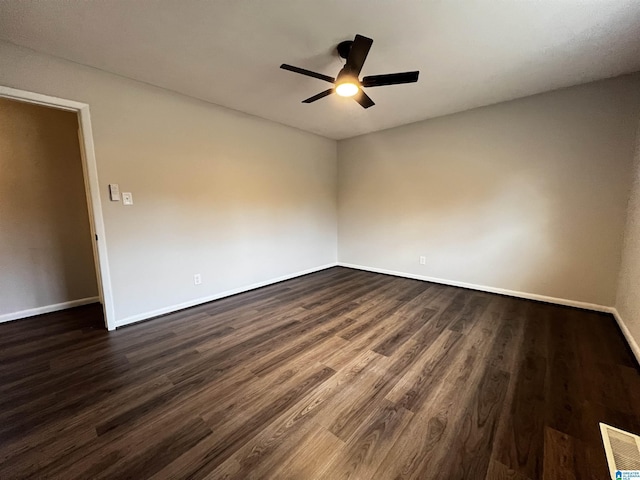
(347, 89)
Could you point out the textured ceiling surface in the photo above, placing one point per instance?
(469, 53)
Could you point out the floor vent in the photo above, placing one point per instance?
(623, 450)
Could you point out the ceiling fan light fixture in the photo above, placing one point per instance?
(347, 89)
(347, 84)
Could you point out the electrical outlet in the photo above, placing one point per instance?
(423, 260)
(127, 198)
(197, 279)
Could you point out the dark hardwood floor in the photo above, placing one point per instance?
(338, 374)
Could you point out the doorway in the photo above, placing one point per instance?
(54, 230)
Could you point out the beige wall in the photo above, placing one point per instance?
(628, 300)
(238, 199)
(45, 242)
(528, 195)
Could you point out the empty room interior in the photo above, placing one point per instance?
(320, 240)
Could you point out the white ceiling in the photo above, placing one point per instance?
(469, 53)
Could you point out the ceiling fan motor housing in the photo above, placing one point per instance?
(344, 48)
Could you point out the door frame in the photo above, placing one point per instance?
(91, 184)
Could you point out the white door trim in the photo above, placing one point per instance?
(92, 187)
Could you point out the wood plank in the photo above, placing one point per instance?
(559, 456)
(521, 443)
(498, 471)
(370, 443)
(471, 449)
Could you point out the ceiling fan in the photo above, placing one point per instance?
(346, 84)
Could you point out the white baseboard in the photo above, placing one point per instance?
(7, 317)
(217, 296)
(635, 348)
(483, 288)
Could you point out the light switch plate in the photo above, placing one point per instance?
(127, 198)
(114, 192)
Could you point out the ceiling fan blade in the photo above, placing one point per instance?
(390, 79)
(363, 99)
(318, 96)
(358, 54)
(308, 73)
